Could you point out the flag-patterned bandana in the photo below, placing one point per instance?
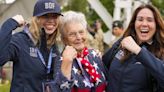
(88, 66)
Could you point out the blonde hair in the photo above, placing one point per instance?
(35, 28)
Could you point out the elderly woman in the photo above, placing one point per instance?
(82, 69)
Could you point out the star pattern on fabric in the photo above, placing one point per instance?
(94, 53)
(86, 83)
(61, 58)
(75, 69)
(98, 81)
(76, 83)
(95, 65)
(88, 66)
(65, 85)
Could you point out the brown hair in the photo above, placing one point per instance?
(157, 47)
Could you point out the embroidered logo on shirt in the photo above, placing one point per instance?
(65, 85)
(119, 54)
(33, 52)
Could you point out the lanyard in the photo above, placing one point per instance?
(43, 61)
(28, 33)
(39, 53)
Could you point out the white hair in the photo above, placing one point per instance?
(72, 16)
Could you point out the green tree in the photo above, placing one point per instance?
(159, 4)
(109, 5)
(83, 6)
(76, 5)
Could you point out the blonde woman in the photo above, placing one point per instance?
(33, 51)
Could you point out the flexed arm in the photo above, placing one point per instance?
(129, 44)
(6, 36)
(153, 64)
(7, 27)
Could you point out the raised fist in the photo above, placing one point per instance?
(19, 19)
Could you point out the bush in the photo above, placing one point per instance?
(5, 87)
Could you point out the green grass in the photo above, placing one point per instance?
(5, 87)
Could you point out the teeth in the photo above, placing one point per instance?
(144, 30)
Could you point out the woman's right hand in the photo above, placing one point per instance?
(19, 19)
(69, 54)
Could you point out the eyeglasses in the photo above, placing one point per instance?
(75, 34)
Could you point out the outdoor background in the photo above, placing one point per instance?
(9, 8)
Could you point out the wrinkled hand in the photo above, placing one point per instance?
(19, 19)
(129, 44)
(68, 55)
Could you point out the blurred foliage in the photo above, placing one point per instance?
(109, 5)
(5, 87)
(91, 15)
(76, 5)
(160, 5)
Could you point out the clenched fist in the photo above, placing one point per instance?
(19, 19)
(129, 44)
(68, 55)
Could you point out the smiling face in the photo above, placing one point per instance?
(49, 22)
(75, 35)
(145, 25)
